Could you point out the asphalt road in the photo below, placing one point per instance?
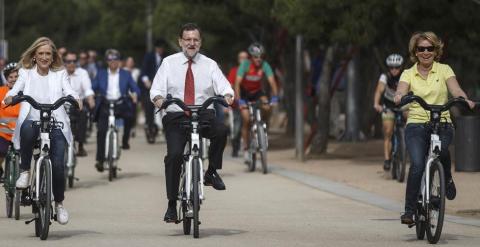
(255, 210)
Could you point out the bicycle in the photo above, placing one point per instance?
(112, 144)
(430, 210)
(399, 149)
(39, 193)
(191, 191)
(70, 154)
(258, 137)
(12, 163)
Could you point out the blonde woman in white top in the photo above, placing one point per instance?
(43, 77)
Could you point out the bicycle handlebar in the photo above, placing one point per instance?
(46, 107)
(409, 98)
(181, 104)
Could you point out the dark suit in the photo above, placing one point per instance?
(149, 68)
(100, 86)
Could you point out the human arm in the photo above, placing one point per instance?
(19, 86)
(222, 85)
(135, 91)
(67, 88)
(378, 94)
(158, 91)
(402, 90)
(455, 89)
(87, 89)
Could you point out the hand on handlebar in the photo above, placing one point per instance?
(158, 103)
(471, 104)
(242, 103)
(378, 108)
(229, 99)
(274, 100)
(8, 100)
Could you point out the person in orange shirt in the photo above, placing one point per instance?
(8, 115)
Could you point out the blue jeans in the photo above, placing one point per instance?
(28, 136)
(417, 139)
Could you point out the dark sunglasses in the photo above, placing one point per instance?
(425, 48)
(70, 61)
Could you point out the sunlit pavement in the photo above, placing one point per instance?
(255, 210)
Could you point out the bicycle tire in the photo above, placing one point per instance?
(187, 222)
(196, 196)
(262, 143)
(16, 199)
(8, 194)
(71, 177)
(401, 156)
(45, 198)
(252, 153)
(437, 201)
(110, 157)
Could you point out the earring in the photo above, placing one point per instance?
(34, 60)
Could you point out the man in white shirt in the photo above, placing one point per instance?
(80, 82)
(193, 77)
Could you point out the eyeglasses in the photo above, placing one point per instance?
(70, 61)
(425, 48)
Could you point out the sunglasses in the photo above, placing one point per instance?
(425, 48)
(70, 61)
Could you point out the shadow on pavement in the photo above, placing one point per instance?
(209, 232)
(59, 235)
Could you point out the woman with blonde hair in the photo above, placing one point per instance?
(432, 81)
(42, 77)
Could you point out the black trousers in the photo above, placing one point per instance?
(79, 125)
(149, 110)
(177, 137)
(102, 126)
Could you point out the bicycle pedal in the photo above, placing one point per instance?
(178, 221)
(29, 221)
(412, 225)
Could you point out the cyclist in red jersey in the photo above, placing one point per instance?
(248, 86)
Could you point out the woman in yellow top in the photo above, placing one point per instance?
(432, 81)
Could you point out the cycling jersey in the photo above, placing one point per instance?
(391, 83)
(253, 75)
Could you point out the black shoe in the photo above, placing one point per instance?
(81, 152)
(407, 218)
(170, 215)
(126, 146)
(451, 190)
(386, 165)
(213, 179)
(99, 166)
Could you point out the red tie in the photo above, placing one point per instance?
(189, 95)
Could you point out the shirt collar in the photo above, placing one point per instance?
(113, 73)
(194, 59)
(433, 70)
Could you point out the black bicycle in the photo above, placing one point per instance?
(12, 172)
(399, 149)
(430, 210)
(191, 193)
(39, 193)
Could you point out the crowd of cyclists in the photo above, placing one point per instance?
(46, 73)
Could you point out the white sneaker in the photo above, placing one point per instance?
(246, 156)
(62, 214)
(22, 181)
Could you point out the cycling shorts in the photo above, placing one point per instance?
(249, 96)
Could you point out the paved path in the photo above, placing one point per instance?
(255, 210)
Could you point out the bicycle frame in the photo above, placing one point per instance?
(256, 117)
(112, 128)
(194, 153)
(44, 153)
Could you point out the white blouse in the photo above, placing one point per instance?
(58, 86)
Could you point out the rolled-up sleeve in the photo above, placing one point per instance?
(159, 85)
(87, 85)
(221, 84)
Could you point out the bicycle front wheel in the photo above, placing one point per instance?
(436, 206)
(196, 196)
(252, 152)
(8, 191)
(45, 198)
(262, 143)
(110, 159)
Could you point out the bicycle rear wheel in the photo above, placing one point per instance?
(45, 198)
(16, 201)
(401, 154)
(8, 193)
(436, 207)
(110, 160)
(196, 196)
(262, 143)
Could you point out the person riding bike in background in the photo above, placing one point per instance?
(383, 102)
(248, 87)
(43, 77)
(8, 115)
(432, 81)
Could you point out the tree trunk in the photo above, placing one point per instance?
(352, 128)
(320, 140)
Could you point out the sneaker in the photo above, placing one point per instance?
(126, 146)
(213, 179)
(386, 165)
(407, 218)
(99, 166)
(62, 214)
(246, 157)
(450, 190)
(22, 181)
(170, 215)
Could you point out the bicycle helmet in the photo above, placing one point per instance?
(256, 49)
(9, 69)
(394, 60)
